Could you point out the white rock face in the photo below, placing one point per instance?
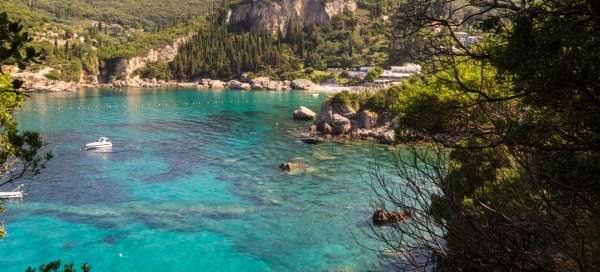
(274, 15)
(124, 68)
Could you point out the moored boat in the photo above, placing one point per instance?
(101, 143)
(17, 193)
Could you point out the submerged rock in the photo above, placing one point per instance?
(291, 166)
(304, 113)
(311, 140)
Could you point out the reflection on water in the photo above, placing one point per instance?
(191, 183)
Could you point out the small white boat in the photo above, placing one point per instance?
(17, 193)
(101, 143)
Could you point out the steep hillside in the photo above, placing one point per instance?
(88, 41)
(286, 37)
(149, 14)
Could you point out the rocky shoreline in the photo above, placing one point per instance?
(38, 84)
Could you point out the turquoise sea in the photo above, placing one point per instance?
(191, 184)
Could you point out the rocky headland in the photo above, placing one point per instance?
(339, 121)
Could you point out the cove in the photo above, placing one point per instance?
(191, 184)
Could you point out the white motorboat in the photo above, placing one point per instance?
(17, 193)
(103, 142)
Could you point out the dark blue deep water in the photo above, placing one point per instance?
(191, 184)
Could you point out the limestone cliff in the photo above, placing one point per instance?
(124, 68)
(273, 15)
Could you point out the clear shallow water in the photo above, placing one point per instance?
(191, 184)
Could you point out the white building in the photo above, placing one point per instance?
(408, 68)
(398, 73)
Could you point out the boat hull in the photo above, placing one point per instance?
(96, 146)
(11, 195)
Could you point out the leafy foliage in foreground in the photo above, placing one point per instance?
(56, 267)
(516, 188)
(20, 152)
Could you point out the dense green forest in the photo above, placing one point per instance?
(351, 40)
(148, 14)
(78, 36)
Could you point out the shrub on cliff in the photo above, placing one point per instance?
(158, 70)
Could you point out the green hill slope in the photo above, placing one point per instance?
(78, 36)
(149, 14)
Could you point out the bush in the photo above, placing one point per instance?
(52, 75)
(373, 74)
(158, 70)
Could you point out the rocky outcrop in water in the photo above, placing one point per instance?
(382, 217)
(275, 15)
(343, 121)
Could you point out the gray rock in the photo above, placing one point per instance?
(365, 119)
(304, 84)
(325, 115)
(325, 128)
(274, 85)
(217, 84)
(388, 137)
(344, 110)
(234, 84)
(304, 113)
(245, 86)
(263, 82)
(291, 166)
(341, 124)
(205, 81)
